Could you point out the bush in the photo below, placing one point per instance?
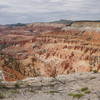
(17, 85)
(95, 71)
(2, 96)
(87, 92)
(76, 95)
(84, 89)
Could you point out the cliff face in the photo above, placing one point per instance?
(56, 49)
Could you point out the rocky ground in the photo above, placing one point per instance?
(78, 86)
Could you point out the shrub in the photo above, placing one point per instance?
(87, 92)
(76, 95)
(84, 89)
(3, 87)
(17, 85)
(14, 91)
(95, 71)
(2, 95)
(53, 91)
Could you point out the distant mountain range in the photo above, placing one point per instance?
(62, 21)
(71, 21)
(17, 24)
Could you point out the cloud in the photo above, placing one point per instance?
(12, 11)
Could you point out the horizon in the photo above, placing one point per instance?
(55, 21)
(30, 11)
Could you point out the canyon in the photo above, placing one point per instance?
(49, 49)
(59, 60)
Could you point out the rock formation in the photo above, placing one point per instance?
(47, 49)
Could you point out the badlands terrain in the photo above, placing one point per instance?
(52, 51)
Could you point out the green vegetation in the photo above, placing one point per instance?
(52, 91)
(6, 93)
(95, 71)
(76, 95)
(82, 92)
(17, 85)
(2, 46)
(84, 89)
(87, 92)
(10, 62)
(14, 91)
(3, 87)
(2, 95)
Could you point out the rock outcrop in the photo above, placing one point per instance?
(77, 86)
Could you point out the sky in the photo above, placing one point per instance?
(28, 11)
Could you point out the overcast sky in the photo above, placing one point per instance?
(28, 11)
